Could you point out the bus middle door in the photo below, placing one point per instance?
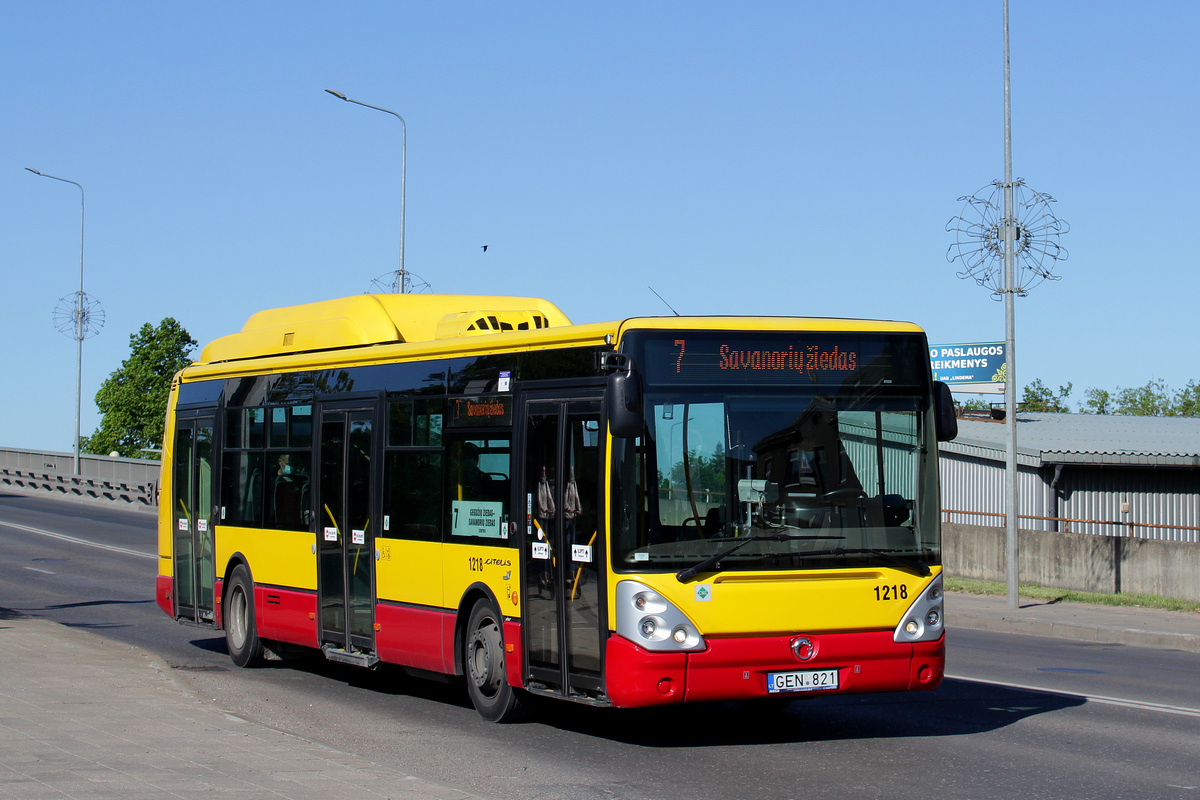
(563, 548)
(345, 539)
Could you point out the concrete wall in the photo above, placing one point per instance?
(1080, 561)
(125, 480)
(129, 470)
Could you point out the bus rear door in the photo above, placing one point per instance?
(192, 504)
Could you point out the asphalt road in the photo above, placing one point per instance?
(979, 736)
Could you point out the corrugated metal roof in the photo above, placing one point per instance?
(1086, 439)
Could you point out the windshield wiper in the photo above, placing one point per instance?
(685, 575)
(886, 555)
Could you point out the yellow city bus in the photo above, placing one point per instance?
(650, 511)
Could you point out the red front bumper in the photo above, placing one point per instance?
(736, 668)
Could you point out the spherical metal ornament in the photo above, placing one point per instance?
(979, 238)
(388, 283)
(78, 315)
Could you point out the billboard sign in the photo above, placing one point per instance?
(979, 367)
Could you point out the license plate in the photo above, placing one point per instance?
(805, 680)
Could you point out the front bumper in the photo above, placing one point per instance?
(736, 668)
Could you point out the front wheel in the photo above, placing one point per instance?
(487, 680)
(241, 633)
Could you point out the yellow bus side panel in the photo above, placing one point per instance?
(409, 572)
(753, 603)
(495, 567)
(279, 558)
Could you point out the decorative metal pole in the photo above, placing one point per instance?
(82, 314)
(1021, 226)
(401, 275)
(1011, 496)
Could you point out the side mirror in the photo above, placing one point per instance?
(624, 402)
(943, 411)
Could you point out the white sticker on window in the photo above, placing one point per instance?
(387, 522)
(202, 525)
(358, 537)
(581, 552)
(183, 523)
(541, 550)
(331, 534)
(641, 556)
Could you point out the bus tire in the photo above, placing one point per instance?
(241, 633)
(484, 662)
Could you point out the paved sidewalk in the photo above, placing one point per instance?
(84, 717)
(1142, 627)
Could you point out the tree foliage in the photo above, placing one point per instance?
(1155, 399)
(133, 401)
(1038, 397)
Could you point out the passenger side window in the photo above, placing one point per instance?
(478, 487)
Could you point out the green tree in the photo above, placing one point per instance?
(1099, 401)
(1187, 400)
(974, 404)
(1151, 400)
(133, 401)
(1038, 397)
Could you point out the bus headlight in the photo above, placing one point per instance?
(923, 621)
(651, 621)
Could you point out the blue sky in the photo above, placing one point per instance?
(771, 158)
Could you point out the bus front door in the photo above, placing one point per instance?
(563, 547)
(345, 539)
(192, 502)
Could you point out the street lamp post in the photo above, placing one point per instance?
(79, 316)
(401, 275)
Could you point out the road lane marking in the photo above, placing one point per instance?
(75, 540)
(35, 569)
(1095, 698)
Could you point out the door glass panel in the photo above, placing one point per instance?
(542, 520)
(205, 553)
(359, 545)
(185, 517)
(330, 536)
(581, 536)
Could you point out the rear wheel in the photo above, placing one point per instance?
(241, 635)
(483, 656)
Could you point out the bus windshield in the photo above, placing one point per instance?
(826, 467)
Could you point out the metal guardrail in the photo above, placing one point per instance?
(144, 495)
(1068, 520)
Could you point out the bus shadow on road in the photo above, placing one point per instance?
(957, 708)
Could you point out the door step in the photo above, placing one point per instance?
(343, 656)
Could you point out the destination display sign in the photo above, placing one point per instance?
(479, 412)
(478, 518)
(712, 358)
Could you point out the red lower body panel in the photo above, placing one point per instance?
(162, 594)
(286, 615)
(736, 669)
(415, 637)
(514, 653)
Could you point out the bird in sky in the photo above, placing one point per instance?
(484, 246)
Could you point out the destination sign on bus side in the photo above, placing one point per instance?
(479, 412)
